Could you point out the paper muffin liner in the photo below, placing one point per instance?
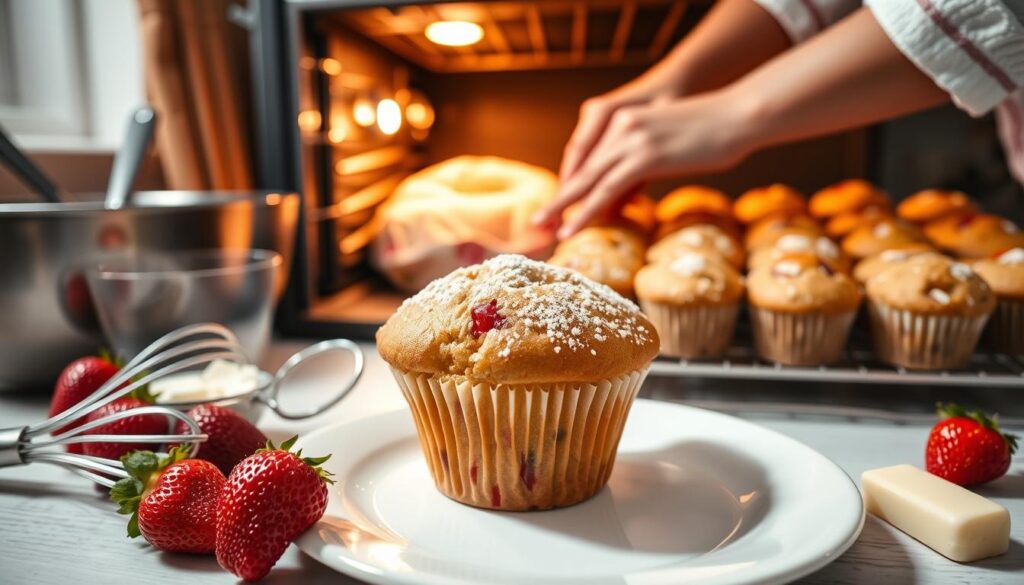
(692, 332)
(519, 447)
(800, 339)
(1005, 331)
(923, 342)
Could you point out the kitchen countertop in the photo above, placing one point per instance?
(55, 527)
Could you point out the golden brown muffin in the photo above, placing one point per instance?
(844, 223)
(603, 239)
(974, 236)
(823, 248)
(706, 239)
(873, 265)
(934, 204)
(1005, 276)
(763, 202)
(928, 312)
(476, 345)
(608, 255)
(693, 199)
(801, 310)
(884, 235)
(770, 229)
(726, 224)
(693, 302)
(845, 197)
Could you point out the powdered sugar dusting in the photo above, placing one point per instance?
(571, 311)
(1014, 256)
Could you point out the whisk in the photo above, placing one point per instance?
(189, 347)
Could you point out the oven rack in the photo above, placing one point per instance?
(858, 366)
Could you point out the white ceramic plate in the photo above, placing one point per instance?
(695, 497)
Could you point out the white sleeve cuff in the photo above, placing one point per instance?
(970, 48)
(802, 19)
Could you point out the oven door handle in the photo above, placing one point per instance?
(269, 394)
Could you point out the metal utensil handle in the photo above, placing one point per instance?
(13, 158)
(129, 158)
(269, 396)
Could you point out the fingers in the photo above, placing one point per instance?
(604, 156)
(616, 184)
(594, 117)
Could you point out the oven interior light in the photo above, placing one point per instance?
(364, 113)
(420, 115)
(389, 116)
(309, 120)
(454, 33)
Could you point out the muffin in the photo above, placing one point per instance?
(767, 231)
(705, 239)
(692, 301)
(928, 312)
(846, 197)
(840, 225)
(726, 224)
(974, 236)
(693, 200)
(934, 204)
(608, 255)
(823, 248)
(1005, 276)
(885, 235)
(801, 310)
(764, 202)
(519, 376)
(882, 261)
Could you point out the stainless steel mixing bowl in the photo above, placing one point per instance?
(46, 314)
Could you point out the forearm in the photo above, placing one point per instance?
(735, 37)
(849, 76)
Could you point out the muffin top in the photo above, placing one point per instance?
(934, 285)
(932, 204)
(767, 231)
(801, 283)
(1004, 273)
(873, 265)
(762, 202)
(691, 279)
(823, 248)
(724, 223)
(844, 223)
(884, 235)
(846, 196)
(706, 239)
(691, 199)
(512, 320)
(604, 240)
(613, 269)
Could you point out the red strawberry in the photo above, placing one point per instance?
(967, 448)
(143, 424)
(172, 500)
(231, 437)
(79, 379)
(271, 498)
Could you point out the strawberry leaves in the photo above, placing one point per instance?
(143, 467)
(314, 462)
(953, 410)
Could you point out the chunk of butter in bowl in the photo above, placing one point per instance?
(221, 382)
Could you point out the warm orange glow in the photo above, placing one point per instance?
(454, 33)
(309, 120)
(330, 66)
(273, 198)
(363, 113)
(389, 116)
(420, 115)
(371, 161)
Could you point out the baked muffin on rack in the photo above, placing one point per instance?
(764, 202)
(693, 200)
(841, 225)
(928, 312)
(608, 255)
(475, 347)
(823, 248)
(846, 197)
(872, 265)
(705, 239)
(934, 204)
(974, 236)
(885, 235)
(693, 301)
(1005, 276)
(801, 310)
(767, 231)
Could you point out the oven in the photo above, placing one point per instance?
(353, 96)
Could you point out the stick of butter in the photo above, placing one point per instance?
(952, 520)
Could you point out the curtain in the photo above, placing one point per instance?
(196, 69)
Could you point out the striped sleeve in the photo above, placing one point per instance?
(802, 19)
(973, 49)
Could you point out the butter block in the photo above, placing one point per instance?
(955, 522)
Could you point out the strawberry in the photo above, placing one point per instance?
(231, 437)
(967, 448)
(143, 424)
(79, 379)
(172, 500)
(271, 497)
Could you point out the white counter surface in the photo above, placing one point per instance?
(55, 528)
